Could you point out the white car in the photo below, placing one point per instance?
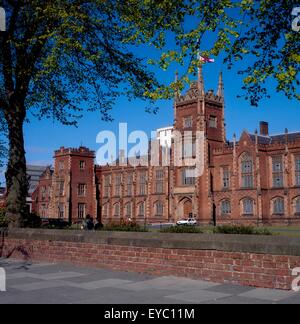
(189, 221)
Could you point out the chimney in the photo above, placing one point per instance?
(264, 128)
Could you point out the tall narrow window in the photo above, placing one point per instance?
(82, 190)
(188, 122)
(105, 210)
(226, 177)
(61, 209)
(277, 169)
(128, 209)
(142, 209)
(106, 185)
(61, 165)
(159, 182)
(82, 165)
(226, 207)
(297, 170)
(44, 192)
(129, 184)
(278, 206)
(297, 206)
(159, 208)
(247, 171)
(61, 188)
(212, 122)
(188, 177)
(81, 211)
(143, 183)
(118, 181)
(117, 210)
(248, 206)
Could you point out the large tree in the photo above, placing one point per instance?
(59, 56)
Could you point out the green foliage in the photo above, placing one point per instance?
(181, 229)
(241, 229)
(3, 220)
(124, 227)
(32, 221)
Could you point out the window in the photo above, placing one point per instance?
(247, 171)
(141, 209)
(159, 181)
(82, 190)
(143, 184)
(117, 210)
(43, 210)
(278, 206)
(212, 122)
(226, 207)
(106, 185)
(188, 122)
(61, 165)
(128, 210)
(105, 210)
(189, 147)
(61, 210)
(297, 170)
(82, 165)
(129, 184)
(226, 178)
(277, 169)
(118, 181)
(248, 206)
(159, 208)
(297, 206)
(61, 188)
(44, 192)
(188, 177)
(81, 211)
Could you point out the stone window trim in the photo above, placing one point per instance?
(296, 206)
(277, 206)
(225, 210)
(158, 208)
(187, 122)
(82, 165)
(245, 203)
(246, 171)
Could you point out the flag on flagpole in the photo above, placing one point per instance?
(206, 59)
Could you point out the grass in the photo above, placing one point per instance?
(241, 229)
(181, 229)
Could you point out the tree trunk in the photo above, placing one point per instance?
(16, 178)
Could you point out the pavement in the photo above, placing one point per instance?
(45, 283)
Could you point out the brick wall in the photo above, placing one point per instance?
(115, 251)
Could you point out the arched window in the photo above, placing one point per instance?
(246, 171)
(297, 205)
(159, 208)
(117, 210)
(248, 206)
(141, 209)
(128, 209)
(105, 210)
(225, 207)
(278, 206)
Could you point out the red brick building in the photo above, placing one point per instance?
(255, 179)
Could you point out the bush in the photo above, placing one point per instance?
(181, 229)
(56, 224)
(124, 227)
(241, 229)
(3, 221)
(32, 221)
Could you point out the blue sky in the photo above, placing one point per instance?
(43, 137)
